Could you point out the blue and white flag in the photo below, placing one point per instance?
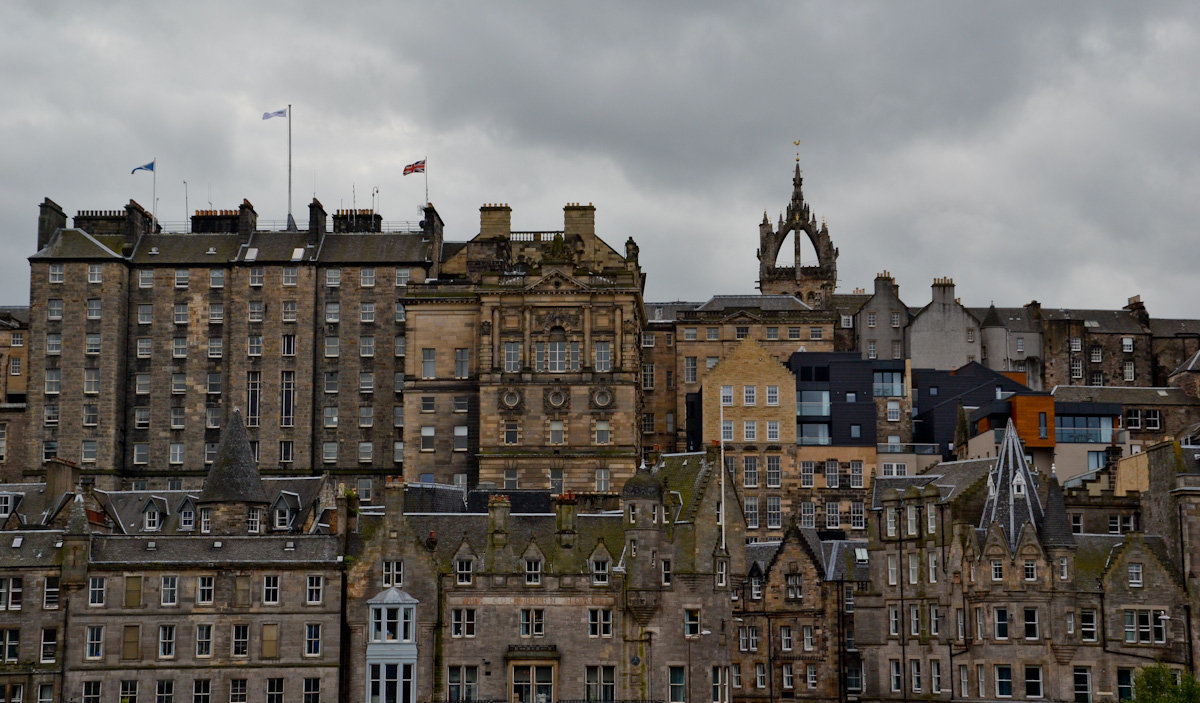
(144, 167)
(277, 113)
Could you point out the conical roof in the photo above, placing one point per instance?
(992, 318)
(234, 476)
(642, 485)
(1012, 493)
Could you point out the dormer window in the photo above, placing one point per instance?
(756, 587)
(533, 572)
(187, 518)
(392, 623)
(600, 572)
(151, 520)
(282, 518)
(6, 504)
(463, 571)
(1018, 486)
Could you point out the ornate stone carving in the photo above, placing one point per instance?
(556, 399)
(510, 400)
(485, 327)
(601, 398)
(558, 318)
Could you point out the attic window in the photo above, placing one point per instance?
(298, 254)
(1018, 486)
(216, 545)
(211, 250)
(151, 546)
(252, 254)
(154, 251)
(860, 555)
(17, 542)
(289, 546)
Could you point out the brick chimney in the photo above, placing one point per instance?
(50, 218)
(495, 221)
(943, 291)
(884, 283)
(62, 477)
(1137, 308)
(316, 221)
(499, 508)
(247, 220)
(566, 510)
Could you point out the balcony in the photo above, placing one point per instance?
(1088, 435)
(814, 440)
(907, 448)
(812, 409)
(888, 390)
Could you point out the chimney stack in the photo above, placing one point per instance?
(316, 221)
(495, 221)
(50, 218)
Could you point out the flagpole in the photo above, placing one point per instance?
(154, 190)
(426, 172)
(289, 161)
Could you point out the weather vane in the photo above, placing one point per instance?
(797, 143)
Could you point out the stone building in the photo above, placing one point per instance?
(943, 334)
(559, 603)
(882, 322)
(1098, 347)
(525, 365)
(1011, 340)
(141, 342)
(979, 589)
(795, 619)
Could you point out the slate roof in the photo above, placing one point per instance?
(954, 477)
(880, 485)
(841, 562)
(773, 303)
(434, 498)
(760, 554)
(670, 311)
(34, 506)
(19, 313)
(203, 551)
(76, 244)
(1015, 319)
(234, 474)
(642, 485)
(1013, 499)
(29, 548)
(520, 501)
(386, 248)
(1121, 395)
(1192, 363)
(1091, 559)
(163, 249)
(1106, 321)
(1160, 327)
(277, 247)
(849, 303)
(1056, 525)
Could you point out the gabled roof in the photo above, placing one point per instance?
(75, 244)
(1192, 363)
(234, 474)
(1012, 500)
(1122, 395)
(1170, 328)
(393, 596)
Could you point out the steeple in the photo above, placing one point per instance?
(811, 282)
(1012, 499)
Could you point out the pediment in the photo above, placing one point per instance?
(556, 281)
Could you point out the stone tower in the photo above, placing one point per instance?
(812, 284)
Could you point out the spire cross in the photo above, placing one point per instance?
(797, 145)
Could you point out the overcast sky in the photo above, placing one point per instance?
(1045, 151)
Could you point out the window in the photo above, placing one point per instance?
(1000, 616)
(428, 359)
(749, 395)
(166, 641)
(462, 359)
(512, 357)
(205, 589)
(677, 684)
(333, 278)
(533, 622)
(1003, 681)
(240, 641)
(997, 570)
(1031, 623)
(312, 639)
(750, 430)
(600, 683)
(831, 474)
(1128, 371)
(1145, 626)
(1082, 679)
(180, 313)
(893, 411)
(333, 311)
(91, 381)
(599, 622)
(915, 674)
(1153, 419)
(603, 432)
(750, 511)
(1076, 368)
(600, 572)
(255, 311)
(289, 311)
(462, 622)
(96, 590)
(1135, 575)
(603, 357)
(270, 593)
(216, 313)
(54, 309)
(750, 471)
(895, 677)
(648, 377)
(774, 470)
(602, 480)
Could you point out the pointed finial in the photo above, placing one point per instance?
(797, 145)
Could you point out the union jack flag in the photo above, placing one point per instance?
(418, 167)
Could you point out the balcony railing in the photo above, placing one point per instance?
(906, 448)
(888, 390)
(1089, 435)
(814, 408)
(815, 440)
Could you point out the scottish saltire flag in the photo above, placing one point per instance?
(144, 167)
(418, 167)
(277, 113)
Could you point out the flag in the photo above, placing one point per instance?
(144, 167)
(277, 113)
(418, 167)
